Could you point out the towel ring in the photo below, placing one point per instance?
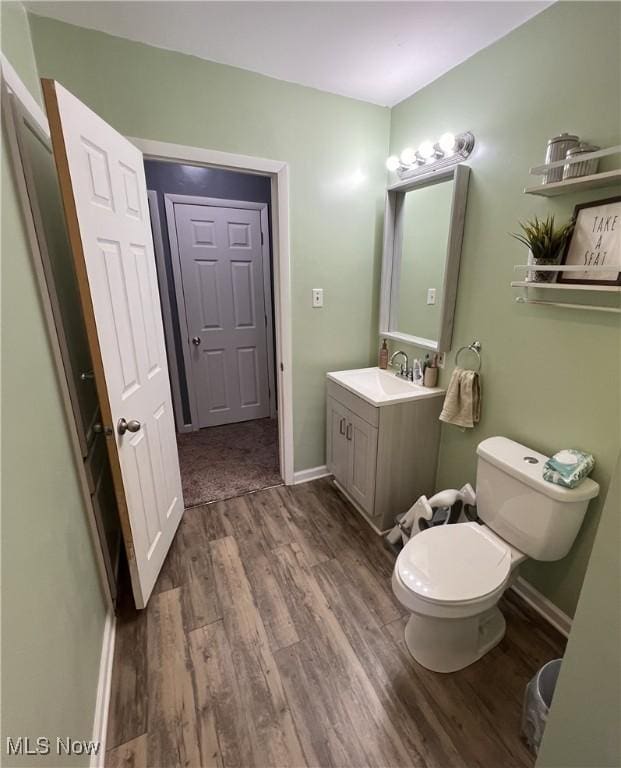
(474, 347)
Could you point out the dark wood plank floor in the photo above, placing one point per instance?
(273, 639)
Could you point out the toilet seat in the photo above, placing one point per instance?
(454, 564)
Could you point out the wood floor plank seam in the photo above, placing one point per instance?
(273, 640)
(366, 638)
(246, 634)
(364, 707)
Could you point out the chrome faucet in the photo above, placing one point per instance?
(403, 371)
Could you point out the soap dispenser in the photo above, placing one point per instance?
(383, 355)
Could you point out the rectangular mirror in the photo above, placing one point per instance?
(424, 225)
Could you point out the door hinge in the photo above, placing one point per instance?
(265, 318)
(131, 555)
(101, 429)
(262, 240)
(282, 367)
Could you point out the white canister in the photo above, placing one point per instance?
(557, 150)
(585, 168)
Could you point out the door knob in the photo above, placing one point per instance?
(127, 426)
(196, 340)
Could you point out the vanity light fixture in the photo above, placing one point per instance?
(407, 157)
(447, 143)
(426, 150)
(429, 157)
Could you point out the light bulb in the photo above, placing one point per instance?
(447, 143)
(408, 156)
(426, 150)
(392, 163)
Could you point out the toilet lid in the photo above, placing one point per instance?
(454, 562)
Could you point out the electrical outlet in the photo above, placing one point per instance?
(440, 359)
(431, 295)
(317, 297)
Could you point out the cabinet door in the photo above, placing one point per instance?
(337, 445)
(362, 438)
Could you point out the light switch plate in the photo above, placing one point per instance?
(441, 359)
(431, 295)
(317, 297)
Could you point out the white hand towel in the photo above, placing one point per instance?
(462, 402)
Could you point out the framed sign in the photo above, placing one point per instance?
(595, 242)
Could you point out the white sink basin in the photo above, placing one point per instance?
(380, 387)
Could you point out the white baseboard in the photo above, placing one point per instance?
(542, 605)
(102, 703)
(306, 475)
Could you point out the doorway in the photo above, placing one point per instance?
(212, 237)
(104, 194)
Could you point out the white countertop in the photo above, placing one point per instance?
(380, 387)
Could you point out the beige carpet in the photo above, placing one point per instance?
(221, 462)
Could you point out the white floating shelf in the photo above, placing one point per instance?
(566, 286)
(541, 170)
(563, 305)
(593, 181)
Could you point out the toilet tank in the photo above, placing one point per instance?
(539, 518)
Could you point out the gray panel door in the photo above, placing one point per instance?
(222, 275)
(362, 461)
(338, 446)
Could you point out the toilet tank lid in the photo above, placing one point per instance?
(513, 458)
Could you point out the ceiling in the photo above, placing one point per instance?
(379, 52)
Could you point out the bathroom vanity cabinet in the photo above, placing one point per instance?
(383, 457)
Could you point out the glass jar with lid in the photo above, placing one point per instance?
(557, 150)
(586, 167)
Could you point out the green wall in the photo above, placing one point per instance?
(550, 376)
(336, 149)
(583, 727)
(17, 44)
(53, 610)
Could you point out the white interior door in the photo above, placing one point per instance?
(221, 257)
(105, 199)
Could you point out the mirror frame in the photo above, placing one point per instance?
(391, 258)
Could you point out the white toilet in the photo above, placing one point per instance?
(451, 577)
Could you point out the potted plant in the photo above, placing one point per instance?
(545, 244)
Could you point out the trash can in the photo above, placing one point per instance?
(537, 701)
